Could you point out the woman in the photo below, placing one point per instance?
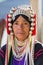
(21, 49)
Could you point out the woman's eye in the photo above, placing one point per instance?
(25, 23)
(16, 23)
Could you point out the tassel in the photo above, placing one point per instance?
(8, 49)
(30, 43)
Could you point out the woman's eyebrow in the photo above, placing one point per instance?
(16, 21)
(25, 21)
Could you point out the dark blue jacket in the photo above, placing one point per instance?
(38, 54)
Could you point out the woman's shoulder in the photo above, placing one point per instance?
(2, 51)
(2, 55)
(38, 50)
(38, 46)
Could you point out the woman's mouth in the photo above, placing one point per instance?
(20, 32)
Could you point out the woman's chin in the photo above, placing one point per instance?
(20, 38)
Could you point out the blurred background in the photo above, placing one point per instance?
(6, 5)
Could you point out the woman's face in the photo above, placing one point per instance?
(21, 28)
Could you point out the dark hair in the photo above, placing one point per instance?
(24, 16)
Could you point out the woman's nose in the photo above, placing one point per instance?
(20, 25)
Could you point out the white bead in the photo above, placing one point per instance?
(30, 32)
(9, 24)
(9, 19)
(32, 28)
(32, 24)
(9, 15)
(11, 33)
(32, 20)
(32, 15)
(10, 28)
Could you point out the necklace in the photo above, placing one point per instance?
(19, 51)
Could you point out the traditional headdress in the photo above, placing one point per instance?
(26, 10)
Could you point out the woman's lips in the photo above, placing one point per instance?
(20, 32)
